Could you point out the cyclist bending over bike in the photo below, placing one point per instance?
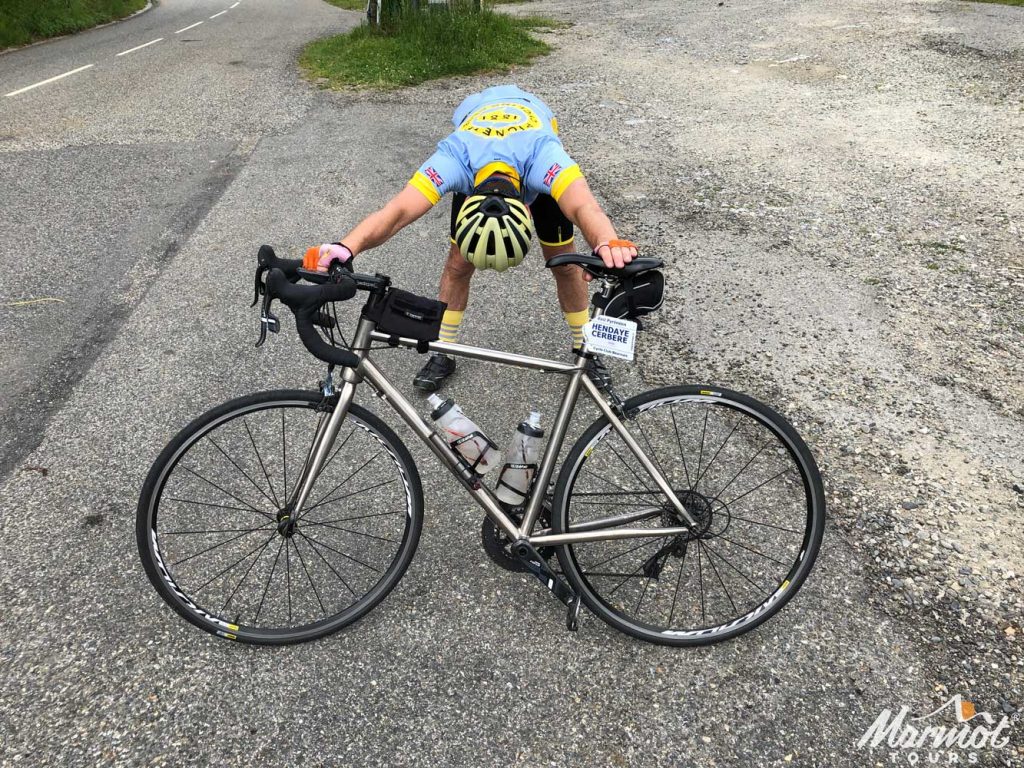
(509, 174)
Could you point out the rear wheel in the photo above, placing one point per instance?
(221, 545)
(745, 477)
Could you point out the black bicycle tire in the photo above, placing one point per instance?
(172, 453)
(816, 515)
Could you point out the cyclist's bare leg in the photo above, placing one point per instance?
(573, 293)
(574, 297)
(455, 279)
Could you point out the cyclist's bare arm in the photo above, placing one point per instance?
(578, 203)
(380, 226)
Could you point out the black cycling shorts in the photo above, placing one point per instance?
(553, 227)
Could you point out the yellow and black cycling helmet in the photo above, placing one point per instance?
(494, 228)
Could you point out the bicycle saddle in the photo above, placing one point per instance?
(595, 266)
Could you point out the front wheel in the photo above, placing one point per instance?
(747, 480)
(220, 543)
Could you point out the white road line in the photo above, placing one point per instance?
(138, 47)
(218, 14)
(190, 26)
(50, 80)
(235, 5)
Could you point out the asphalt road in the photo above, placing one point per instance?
(107, 172)
(165, 169)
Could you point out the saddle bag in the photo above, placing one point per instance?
(635, 296)
(405, 314)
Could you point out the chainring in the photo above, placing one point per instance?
(499, 547)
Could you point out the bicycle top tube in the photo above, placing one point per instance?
(480, 353)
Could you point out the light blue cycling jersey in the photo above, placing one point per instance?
(501, 129)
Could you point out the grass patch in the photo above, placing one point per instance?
(349, 5)
(426, 46)
(24, 21)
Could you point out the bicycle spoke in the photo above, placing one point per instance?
(246, 575)
(724, 488)
(627, 466)
(348, 519)
(213, 530)
(347, 495)
(218, 506)
(700, 580)
(288, 577)
(284, 459)
(654, 454)
(754, 551)
(337, 450)
(759, 486)
(260, 460)
(321, 500)
(702, 474)
(643, 594)
(724, 559)
(679, 581)
(337, 551)
(682, 453)
(766, 525)
(243, 557)
(244, 473)
(227, 493)
(634, 572)
(714, 568)
(309, 578)
(360, 533)
(215, 546)
(612, 482)
(700, 456)
(273, 567)
(632, 549)
(328, 564)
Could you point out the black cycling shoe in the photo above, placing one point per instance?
(432, 375)
(598, 373)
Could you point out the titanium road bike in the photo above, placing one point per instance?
(683, 516)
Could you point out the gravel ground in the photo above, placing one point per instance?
(770, 155)
(839, 194)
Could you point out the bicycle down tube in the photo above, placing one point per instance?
(368, 371)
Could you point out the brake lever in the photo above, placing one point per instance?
(259, 288)
(268, 320)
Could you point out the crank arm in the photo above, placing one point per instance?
(526, 552)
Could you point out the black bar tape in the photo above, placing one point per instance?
(267, 258)
(305, 302)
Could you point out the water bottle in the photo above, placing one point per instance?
(520, 461)
(464, 436)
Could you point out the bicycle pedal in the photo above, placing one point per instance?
(572, 615)
(535, 564)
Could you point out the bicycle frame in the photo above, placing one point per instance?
(576, 380)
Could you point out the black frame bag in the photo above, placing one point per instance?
(401, 313)
(635, 296)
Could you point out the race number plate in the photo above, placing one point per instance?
(611, 336)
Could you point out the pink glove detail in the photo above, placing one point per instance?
(330, 253)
